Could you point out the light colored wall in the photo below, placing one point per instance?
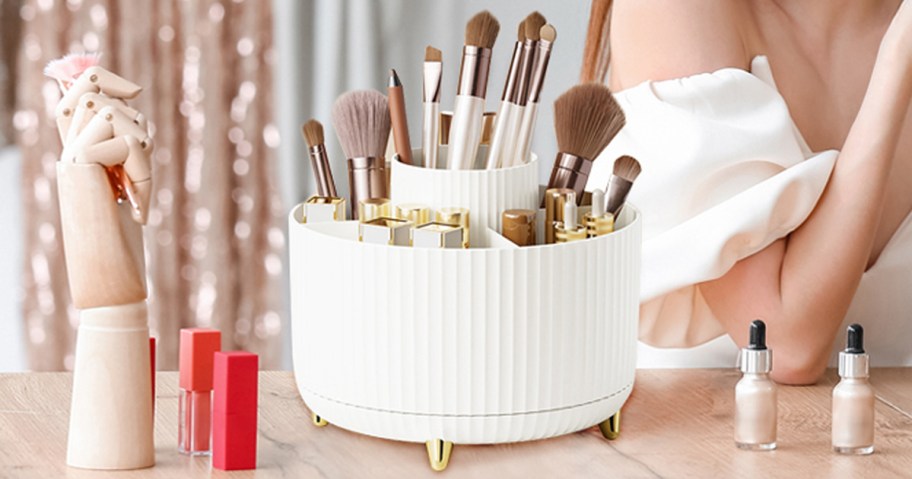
(12, 349)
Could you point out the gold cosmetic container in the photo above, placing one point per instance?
(597, 221)
(456, 217)
(554, 201)
(318, 209)
(373, 208)
(518, 226)
(367, 178)
(417, 213)
(568, 230)
(388, 231)
(437, 235)
(487, 127)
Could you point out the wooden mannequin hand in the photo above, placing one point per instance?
(97, 127)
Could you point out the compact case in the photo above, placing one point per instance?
(485, 345)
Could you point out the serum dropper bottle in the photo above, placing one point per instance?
(853, 399)
(755, 395)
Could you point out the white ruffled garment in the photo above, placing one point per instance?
(725, 174)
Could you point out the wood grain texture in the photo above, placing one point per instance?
(676, 424)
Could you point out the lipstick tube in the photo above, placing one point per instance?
(387, 231)
(234, 417)
(417, 213)
(554, 209)
(197, 349)
(437, 235)
(373, 208)
(456, 217)
(318, 209)
(366, 179)
(570, 171)
(518, 226)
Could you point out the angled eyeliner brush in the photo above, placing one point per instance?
(430, 129)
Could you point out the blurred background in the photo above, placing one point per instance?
(227, 85)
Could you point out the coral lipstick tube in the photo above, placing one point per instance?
(197, 351)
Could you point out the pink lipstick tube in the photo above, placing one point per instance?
(197, 351)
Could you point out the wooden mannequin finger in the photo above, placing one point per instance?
(141, 194)
(96, 131)
(78, 121)
(70, 99)
(97, 101)
(110, 83)
(142, 121)
(138, 164)
(108, 152)
(63, 126)
(123, 124)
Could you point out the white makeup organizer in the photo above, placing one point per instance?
(486, 345)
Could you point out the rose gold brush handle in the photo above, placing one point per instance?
(366, 179)
(570, 171)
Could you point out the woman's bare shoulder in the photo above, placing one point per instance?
(664, 39)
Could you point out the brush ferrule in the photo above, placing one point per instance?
(570, 171)
(512, 83)
(618, 188)
(319, 160)
(366, 179)
(432, 74)
(473, 73)
(538, 70)
(525, 70)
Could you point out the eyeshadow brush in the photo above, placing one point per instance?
(319, 160)
(430, 129)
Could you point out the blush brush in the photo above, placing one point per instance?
(586, 119)
(362, 123)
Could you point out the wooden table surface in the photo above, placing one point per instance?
(676, 424)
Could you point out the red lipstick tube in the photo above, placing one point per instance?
(234, 418)
(197, 349)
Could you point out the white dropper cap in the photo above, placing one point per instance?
(570, 214)
(598, 202)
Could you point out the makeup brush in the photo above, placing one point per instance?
(468, 112)
(399, 119)
(362, 123)
(319, 160)
(546, 37)
(626, 171)
(501, 141)
(430, 129)
(586, 119)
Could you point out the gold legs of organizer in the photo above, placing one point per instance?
(439, 453)
(611, 427)
(317, 420)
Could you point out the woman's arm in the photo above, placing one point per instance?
(801, 286)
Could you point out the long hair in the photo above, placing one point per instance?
(597, 53)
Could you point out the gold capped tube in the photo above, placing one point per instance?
(518, 226)
(417, 213)
(372, 208)
(387, 231)
(457, 217)
(318, 209)
(555, 198)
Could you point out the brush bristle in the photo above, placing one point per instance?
(586, 118)
(68, 68)
(482, 30)
(313, 133)
(521, 34)
(362, 123)
(627, 167)
(548, 33)
(432, 54)
(533, 24)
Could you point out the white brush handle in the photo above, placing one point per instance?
(509, 153)
(465, 132)
(524, 139)
(430, 131)
(501, 141)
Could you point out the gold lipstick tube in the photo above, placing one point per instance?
(437, 235)
(417, 213)
(555, 198)
(366, 179)
(386, 231)
(518, 226)
(373, 208)
(456, 217)
(318, 209)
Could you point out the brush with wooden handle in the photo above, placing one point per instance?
(319, 159)
(430, 130)
(468, 111)
(586, 119)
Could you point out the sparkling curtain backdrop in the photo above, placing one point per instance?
(214, 244)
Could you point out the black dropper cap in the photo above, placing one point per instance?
(855, 339)
(757, 335)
